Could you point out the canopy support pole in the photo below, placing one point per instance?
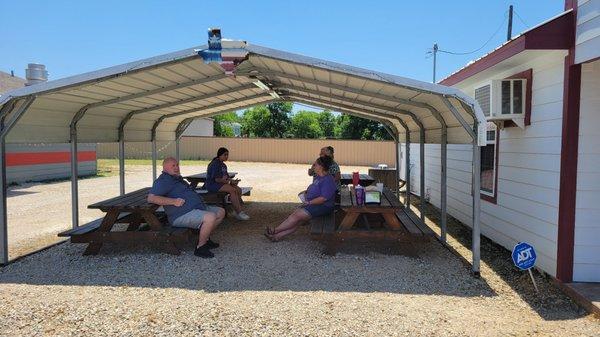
(422, 174)
(443, 172)
(74, 167)
(407, 163)
(397, 175)
(18, 113)
(179, 132)
(389, 130)
(74, 181)
(443, 183)
(154, 154)
(407, 172)
(475, 185)
(476, 248)
(121, 164)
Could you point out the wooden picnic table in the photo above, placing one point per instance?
(365, 179)
(398, 222)
(133, 209)
(196, 179)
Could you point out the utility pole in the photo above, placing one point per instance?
(435, 50)
(510, 16)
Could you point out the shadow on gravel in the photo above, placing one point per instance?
(248, 261)
(551, 303)
(14, 192)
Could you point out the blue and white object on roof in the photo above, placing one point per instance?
(213, 53)
(227, 53)
(523, 256)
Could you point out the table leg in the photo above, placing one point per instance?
(392, 221)
(348, 221)
(152, 220)
(365, 219)
(107, 223)
(167, 245)
(93, 248)
(170, 248)
(135, 223)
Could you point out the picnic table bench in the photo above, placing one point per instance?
(365, 179)
(132, 209)
(196, 179)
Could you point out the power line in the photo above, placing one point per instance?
(520, 18)
(480, 48)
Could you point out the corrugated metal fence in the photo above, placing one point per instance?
(347, 152)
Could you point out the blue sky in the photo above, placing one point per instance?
(72, 37)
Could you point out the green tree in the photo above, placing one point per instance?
(222, 126)
(280, 118)
(272, 120)
(351, 127)
(255, 122)
(327, 121)
(305, 124)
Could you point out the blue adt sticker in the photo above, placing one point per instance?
(523, 256)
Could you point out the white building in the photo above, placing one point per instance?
(541, 169)
(39, 162)
(200, 127)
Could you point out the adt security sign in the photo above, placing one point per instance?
(523, 256)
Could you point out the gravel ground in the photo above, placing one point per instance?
(255, 287)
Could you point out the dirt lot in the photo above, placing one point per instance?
(255, 287)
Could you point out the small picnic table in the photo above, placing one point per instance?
(365, 179)
(196, 179)
(133, 209)
(398, 222)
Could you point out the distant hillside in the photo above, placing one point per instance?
(8, 82)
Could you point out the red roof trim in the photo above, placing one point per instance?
(555, 34)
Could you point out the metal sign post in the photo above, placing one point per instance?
(523, 256)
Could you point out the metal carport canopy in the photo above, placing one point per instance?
(156, 98)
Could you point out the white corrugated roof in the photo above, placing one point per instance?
(167, 91)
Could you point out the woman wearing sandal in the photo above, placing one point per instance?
(319, 200)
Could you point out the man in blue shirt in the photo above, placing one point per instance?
(184, 207)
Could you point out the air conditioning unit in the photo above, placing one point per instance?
(503, 100)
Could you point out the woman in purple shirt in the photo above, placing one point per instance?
(319, 200)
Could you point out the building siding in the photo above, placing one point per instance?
(587, 40)
(202, 127)
(528, 170)
(55, 163)
(586, 262)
